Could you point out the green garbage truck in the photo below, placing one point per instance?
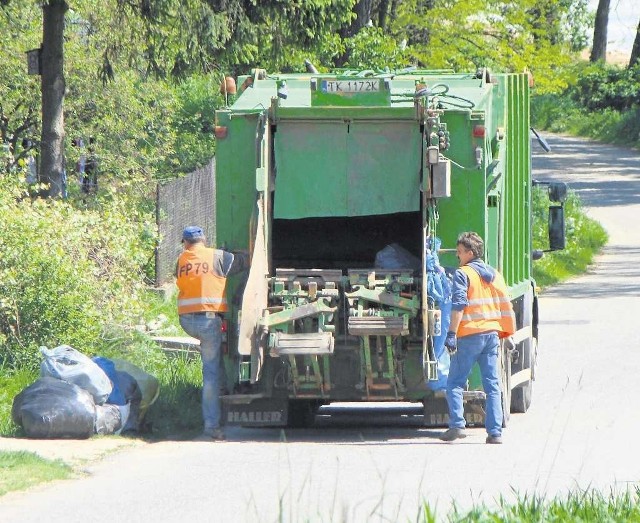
(349, 190)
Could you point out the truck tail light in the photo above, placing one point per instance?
(220, 132)
(478, 131)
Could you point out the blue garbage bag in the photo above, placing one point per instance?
(117, 396)
(439, 292)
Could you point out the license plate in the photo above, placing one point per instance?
(350, 86)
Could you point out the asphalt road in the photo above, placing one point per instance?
(580, 432)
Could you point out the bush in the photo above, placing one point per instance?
(601, 102)
(601, 86)
(64, 274)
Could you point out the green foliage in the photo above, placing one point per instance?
(601, 101)
(12, 382)
(64, 274)
(180, 38)
(21, 470)
(372, 48)
(558, 113)
(584, 238)
(601, 86)
(167, 129)
(577, 506)
(178, 407)
(467, 34)
(19, 93)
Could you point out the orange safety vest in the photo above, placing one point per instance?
(489, 307)
(201, 289)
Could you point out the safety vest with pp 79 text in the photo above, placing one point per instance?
(201, 288)
(489, 308)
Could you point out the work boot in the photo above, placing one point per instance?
(211, 435)
(453, 434)
(494, 440)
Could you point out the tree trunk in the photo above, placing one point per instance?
(383, 13)
(362, 10)
(599, 49)
(635, 52)
(52, 142)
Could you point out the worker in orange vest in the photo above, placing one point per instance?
(201, 276)
(481, 315)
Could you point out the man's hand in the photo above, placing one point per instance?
(451, 342)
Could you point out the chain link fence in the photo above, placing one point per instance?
(190, 200)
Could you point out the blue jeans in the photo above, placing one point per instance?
(207, 330)
(482, 348)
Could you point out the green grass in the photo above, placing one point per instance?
(580, 506)
(11, 383)
(585, 237)
(177, 411)
(21, 470)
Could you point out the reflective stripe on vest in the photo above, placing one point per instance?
(489, 307)
(200, 288)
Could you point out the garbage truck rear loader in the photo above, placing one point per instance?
(349, 189)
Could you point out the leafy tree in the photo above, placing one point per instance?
(53, 88)
(466, 34)
(19, 93)
(371, 48)
(560, 22)
(179, 37)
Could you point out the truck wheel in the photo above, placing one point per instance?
(505, 385)
(522, 396)
(302, 413)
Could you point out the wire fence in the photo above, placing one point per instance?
(186, 201)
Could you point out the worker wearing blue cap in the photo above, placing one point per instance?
(201, 276)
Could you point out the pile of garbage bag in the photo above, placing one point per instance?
(77, 396)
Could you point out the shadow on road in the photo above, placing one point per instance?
(611, 277)
(590, 173)
(337, 424)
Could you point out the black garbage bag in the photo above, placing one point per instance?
(51, 408)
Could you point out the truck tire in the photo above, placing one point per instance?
(302, 413)
(505, 385)
(522, 395)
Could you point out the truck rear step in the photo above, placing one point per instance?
(378, 326)
(283, 344)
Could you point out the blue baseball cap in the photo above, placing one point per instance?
(192, 234)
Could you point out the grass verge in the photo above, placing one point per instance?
(585, 237)
(21, 470)
(578, 506)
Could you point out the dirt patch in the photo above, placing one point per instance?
(613, 57)
(71, 451)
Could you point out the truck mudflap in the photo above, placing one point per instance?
(254, 410)
(436, 411)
